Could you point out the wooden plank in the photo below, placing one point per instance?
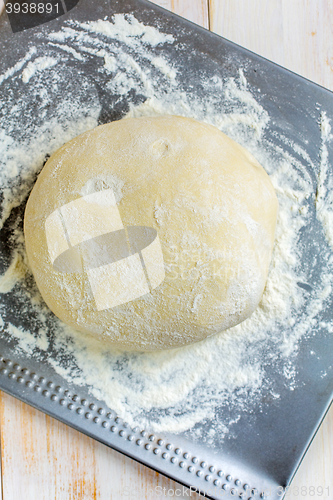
(308, 39)
(296, 34)
(254, 24)
(43, 459)
(193, 10)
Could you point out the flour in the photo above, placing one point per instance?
(179, 390)
(106, 181)
(128, 30)
(16, 271)
(70, 50)
(19, 65)
(36, 66)
(324, 197)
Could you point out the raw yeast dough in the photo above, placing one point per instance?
(151, 233)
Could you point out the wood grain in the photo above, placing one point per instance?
(193, 10)
(43, 459)
(296, 34)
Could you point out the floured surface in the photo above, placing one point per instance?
(205, 388)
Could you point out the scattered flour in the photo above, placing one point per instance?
(179, 390)
(324, 197)
(19, 65)
(129, 30)
(36, 66)
(15, 272)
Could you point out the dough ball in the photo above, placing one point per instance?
(151, 233)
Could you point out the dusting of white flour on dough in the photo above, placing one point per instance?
(180, 389)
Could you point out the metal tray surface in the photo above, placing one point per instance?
(268, 444)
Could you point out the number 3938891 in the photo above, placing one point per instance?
(26, 14)
(32, 8)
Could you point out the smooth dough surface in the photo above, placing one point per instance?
(202, 202)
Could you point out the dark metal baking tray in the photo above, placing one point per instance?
(266, 446)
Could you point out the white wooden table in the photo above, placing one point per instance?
(42, 459)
